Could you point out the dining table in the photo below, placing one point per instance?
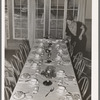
(48, 73)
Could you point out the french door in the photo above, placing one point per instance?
(42, 17)
(50, 17)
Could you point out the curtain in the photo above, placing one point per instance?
(82, 10)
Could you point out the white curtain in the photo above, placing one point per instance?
(31, 23)
(82, 10)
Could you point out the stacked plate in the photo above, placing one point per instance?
(61, 90)
(60, 73)
(19, 95)
(34, 82)
(25, 76)
(34, 66)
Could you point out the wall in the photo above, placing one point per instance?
(88, 22)
(88, 9)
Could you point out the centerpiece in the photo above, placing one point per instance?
(49, 73)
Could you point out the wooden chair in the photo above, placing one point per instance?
(10, 82)
(89, 97)
(7, 93)
(15, 67)
(19, 59)
(79, 67)
(23, 52)
(88, 62)
(83, 85)
(77, 57)
(27, 45)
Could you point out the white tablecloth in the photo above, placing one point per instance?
(24, 85)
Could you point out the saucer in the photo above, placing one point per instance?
(25, 76)
(60, 73)
(34, 82)
(19, 95)
(61, 89)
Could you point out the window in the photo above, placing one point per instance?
(39, 18)
(72, 8)
(56, 18)
(20, 19)
(6, 21)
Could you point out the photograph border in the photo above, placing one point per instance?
(95, 48)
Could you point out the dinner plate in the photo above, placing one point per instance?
(61, 90)
(60, 73)
(70, 78)
(25, 76)
(33, 82)
(19, 95)
(76, 96)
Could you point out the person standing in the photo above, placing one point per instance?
(76, 31)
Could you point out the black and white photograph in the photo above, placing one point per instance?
(47, 50)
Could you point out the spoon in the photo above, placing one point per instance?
(49, 91)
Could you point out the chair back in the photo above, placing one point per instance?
(77, 57)
(83, 84)
(89, 97)
(27, 45)
(23, 51)
(7, 93)
(79, 67)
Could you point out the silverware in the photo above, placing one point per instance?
(51, 90)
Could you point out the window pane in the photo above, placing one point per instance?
(39, 33)
(53, 14)
(53, 4)
(76, 4)
(60, 14)
(17, 13)
(69, 13)
(60, 24)
(39, 24)
(40, 3)
(24, 13)
(24, 23)
(24, 3)
(17, 23)
(53, 34)
(59, 34)
(70, 4)
(53, 24)
(39, 13)
(16, 3)
(17, 33)
(60, 4)
(24, 33)
(75, 14)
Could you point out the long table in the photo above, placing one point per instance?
(64, 85)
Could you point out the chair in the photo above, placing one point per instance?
(10, 82)
(77, 57)
(27, 45)
(15, 67)
(83, 85)
(23, 52)
(79, 67)
(89, 97)
(7, 93)
(88, 62)
(19, 57)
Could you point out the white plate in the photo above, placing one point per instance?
(19, 95)
(61, 90)
(33, 82)
(25, 76)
